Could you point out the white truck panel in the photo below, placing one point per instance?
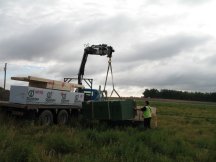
(79, 98)
(32, 95)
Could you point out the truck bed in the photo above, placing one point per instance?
(6, 104)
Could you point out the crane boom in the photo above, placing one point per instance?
(101, 50)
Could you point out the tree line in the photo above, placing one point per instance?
(180, 95)
(4, 94)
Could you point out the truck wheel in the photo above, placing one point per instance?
(62, 117)
(46, 118)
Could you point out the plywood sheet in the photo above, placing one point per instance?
(48, 83)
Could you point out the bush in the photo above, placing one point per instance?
(60, 144)
(102, 138)
(4, 94)
(20, 152)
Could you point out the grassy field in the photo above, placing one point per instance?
(186, 132)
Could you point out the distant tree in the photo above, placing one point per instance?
(153, 93)
(181, 95)
(4, 94)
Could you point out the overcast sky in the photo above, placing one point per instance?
(163, 44)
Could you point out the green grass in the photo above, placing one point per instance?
(186, 132)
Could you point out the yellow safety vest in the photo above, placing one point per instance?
(147, 112)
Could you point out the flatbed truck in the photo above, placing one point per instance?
(47, 114)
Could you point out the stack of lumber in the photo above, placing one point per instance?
(47, 83)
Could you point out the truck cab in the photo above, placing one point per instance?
(91, 94)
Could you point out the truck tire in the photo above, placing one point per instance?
(62, 117)
(46, 118)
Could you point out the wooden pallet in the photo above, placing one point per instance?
(48, 83)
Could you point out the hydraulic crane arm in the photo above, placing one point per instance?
(101, 50)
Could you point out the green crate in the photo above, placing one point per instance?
(122, 110)
(87, 110)
(109, 110)
(96, 110)
(100, 110)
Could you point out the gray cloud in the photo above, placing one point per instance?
(192, 79)
(210, 60)
(166, 47)
(64, 70)
(43, 42)
(54, 40)
(54, 33)
(95, 65)
(183, 2)
(36, 44)
(197, 80)
(193, 2)
(111, 26)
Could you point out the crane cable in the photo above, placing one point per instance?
(113, 90)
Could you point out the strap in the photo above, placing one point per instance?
(110, 68)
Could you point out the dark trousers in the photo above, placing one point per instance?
(147, 123)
